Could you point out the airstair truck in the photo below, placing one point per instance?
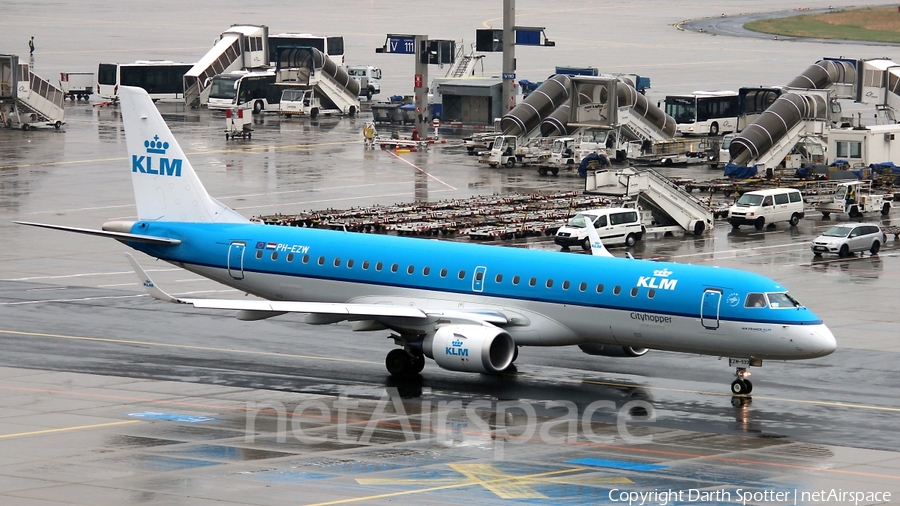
(27, 100)
(239, 47)
(306, 67)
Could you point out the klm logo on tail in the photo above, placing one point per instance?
(164, 166)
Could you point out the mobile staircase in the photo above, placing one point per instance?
(27, 100)
(649, 187)
(307, 67)
(239, 47)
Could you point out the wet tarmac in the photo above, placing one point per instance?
(110, 397)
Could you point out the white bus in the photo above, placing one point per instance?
(242, 86)
(332, 47)
(704, 112)
(161, 79)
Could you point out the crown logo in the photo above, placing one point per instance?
(457, 342)
(663, 273)
(155, 146)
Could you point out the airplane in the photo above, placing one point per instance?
(468, 307)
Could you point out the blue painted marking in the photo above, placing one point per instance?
(285, 476)
(617, 464)
(160, 463)
(172, 417)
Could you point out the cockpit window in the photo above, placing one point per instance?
(755, 300)
(782, 300)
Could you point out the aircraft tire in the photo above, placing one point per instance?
(739, 387)
(399, 363)
(418, 363)
(749, 386)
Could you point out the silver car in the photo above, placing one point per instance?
(848, 238)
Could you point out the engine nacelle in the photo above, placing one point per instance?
(612, 350)
(470, 348)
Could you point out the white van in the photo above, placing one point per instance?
(762, 207)
(615, 225)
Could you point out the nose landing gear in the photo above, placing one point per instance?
(741, 386)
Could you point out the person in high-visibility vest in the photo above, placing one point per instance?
(369, 135)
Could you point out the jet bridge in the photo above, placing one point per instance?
(768, 140)
(803, 110)
(239, 47)
(307, 67)
(613, 103)
(670, 202)
(525, 120)
(27, 100)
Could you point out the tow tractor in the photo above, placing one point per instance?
(509, 150)
(854, 198)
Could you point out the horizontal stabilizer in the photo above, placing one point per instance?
(121, 236)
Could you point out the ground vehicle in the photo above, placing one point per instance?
(507, 150)
(762, 207)
(704, 112)
(854, 198)
(615, 225)
(332, 47)
(848, 238)
(724, 154)
(77, 85)
(241, 86)
(161, 79)
(304, 102)
(369, 79)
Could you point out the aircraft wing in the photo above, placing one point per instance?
(253, 309)
(258, 309)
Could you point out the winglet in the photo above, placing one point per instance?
(152, 289)
(597, 247)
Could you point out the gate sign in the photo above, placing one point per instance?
(509, 75)
(418, 81)
(401, 45)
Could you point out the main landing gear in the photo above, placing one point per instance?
(741, 386)
(404, 362)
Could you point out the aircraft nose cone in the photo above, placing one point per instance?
(825, 343)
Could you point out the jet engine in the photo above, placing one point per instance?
(612, 350)
(470, 348)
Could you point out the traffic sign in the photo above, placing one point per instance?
(401, 45)
(509, 75)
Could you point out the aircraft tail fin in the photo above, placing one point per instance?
(597, 247)
(166, 188)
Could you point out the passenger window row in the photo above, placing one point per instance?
(479, 275)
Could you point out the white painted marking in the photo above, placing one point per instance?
(87, 274)
(395, 155)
